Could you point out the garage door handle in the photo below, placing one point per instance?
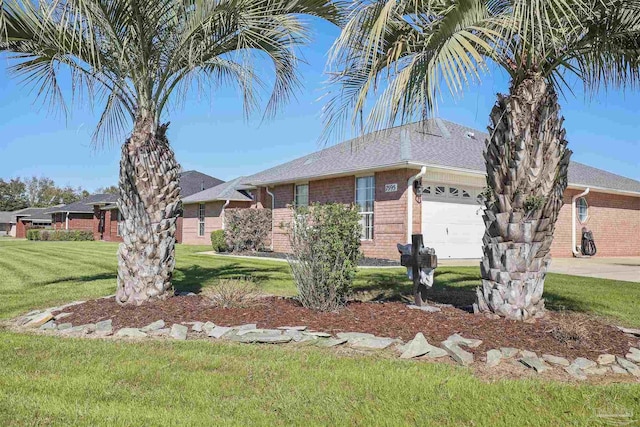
(447, 231)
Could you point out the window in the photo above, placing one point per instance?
(301, 196)
(201, 212)
(583, 209)
(440, 191)
(365, 196)
(454, 192)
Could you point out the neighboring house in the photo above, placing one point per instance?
(99, 212)
(376, 172)
(25, 219)
(204, 211)
(79, 215)
(5, 223)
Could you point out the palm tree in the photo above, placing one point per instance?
(404, 51)
(134, 57)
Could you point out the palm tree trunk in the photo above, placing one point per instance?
(526, 159)
(150, 205)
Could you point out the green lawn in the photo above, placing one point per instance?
(57, 381)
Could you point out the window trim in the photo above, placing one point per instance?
(586, 207)
(295, 193)
(202, 214)
(366, 213)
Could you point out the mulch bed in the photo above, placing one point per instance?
(561, 334)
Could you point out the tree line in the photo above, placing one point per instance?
(18, 193)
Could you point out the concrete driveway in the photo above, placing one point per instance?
(626, 269)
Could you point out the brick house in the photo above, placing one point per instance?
(28, 218)
(5, 223)
(99, 212)
(203, 212)
(426, 178)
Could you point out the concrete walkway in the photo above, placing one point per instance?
(626, 269)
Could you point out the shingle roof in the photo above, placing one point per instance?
(435, 142)
(85, 205)
(192, 182)
(32, 214)
(5, 217)
(226, 191)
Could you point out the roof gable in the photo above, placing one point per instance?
(226, 191)
(192, 182)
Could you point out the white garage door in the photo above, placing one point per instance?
(452, 221)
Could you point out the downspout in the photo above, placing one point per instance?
(222, 212)
(573, 221)
(66, 224)
(410, 201)
(273, 206)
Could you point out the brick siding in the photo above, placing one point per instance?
(613, 219)
(212, 221)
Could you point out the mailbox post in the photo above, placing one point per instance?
(420, 263)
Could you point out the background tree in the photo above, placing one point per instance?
(404, 51)
(112, 189)
(13, 195)
(132, 57)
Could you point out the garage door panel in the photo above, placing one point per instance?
(453, 229)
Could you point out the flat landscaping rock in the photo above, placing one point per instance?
(260, 338)
(575, 372)
(50, 325)
(630, 331)
(63, 326)
(130, 333)
(555, 360)
(354, 336)
(459, 355)
(158, 324)
(509, 352)
(219, 331)
(602, 370)
(469, 342)
(629, 366)
(318, 334)
(619, 370)
(418, 346)
(633, 355)
(425, 308)
(584, 363)
(104, 327)
(178, 332)
(293, 328)
(374, 343)
(330, 342)
(494, 357)
(606, 359)
(38, 320)
(197, 326)
(208, 327)
(535, 363)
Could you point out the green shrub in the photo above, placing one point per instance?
(60, 235)
(33, 234)
(325, 243)
(247, 229)
(218, 241)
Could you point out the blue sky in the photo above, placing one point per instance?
(210, 134)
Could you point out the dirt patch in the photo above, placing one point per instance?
(561, 334)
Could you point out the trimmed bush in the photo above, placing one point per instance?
(239, 292)
(33, 234)
(325, 244)
(247, 229)
(218, 241)
(60, 235)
